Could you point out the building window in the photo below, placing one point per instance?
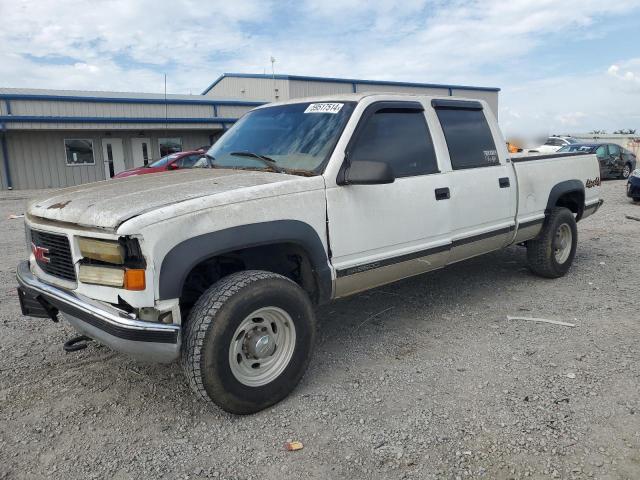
(79, 152)
(169, 145)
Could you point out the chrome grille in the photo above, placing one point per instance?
(58, 254)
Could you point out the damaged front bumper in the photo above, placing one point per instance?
(119, 330)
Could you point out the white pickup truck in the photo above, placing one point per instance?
(305, 201)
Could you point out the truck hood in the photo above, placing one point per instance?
(110, 203)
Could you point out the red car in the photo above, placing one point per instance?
(174, 161)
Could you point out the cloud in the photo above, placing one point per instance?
(628, 71)
(571, 119)
(128, 46)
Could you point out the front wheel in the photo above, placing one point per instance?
(626, 171)
(248, 341)
(550, 254)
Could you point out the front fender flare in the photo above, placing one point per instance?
(183, 257)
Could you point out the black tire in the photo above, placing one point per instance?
(626, 171)
(541, 251)
(212, 324)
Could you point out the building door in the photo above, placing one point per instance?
(113, 156)
(141, 148)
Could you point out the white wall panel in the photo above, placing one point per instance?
(238, 88)
(366, 87)
(37, 159)
(92, 109)
(298, 88)
(228, 111)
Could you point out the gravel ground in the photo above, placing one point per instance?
(425, 378)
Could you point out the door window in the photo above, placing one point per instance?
(398, 137)
(601, 152)
(188, 162)
(110, 159)
(145, 153)
(614, 150)
(468, 137)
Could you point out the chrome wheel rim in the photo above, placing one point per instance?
(562, 243)
(262, 346)
(626, 171)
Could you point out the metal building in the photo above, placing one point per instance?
(284, 87)
(54, 138)
(58, 138)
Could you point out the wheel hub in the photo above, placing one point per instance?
(562, 243)
(259, 344)
(262, 346)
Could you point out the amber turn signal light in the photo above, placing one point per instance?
(134, 279)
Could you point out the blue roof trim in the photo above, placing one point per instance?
(45, 119)
(154, 101)
(346, 80)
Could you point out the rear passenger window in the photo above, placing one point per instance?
(468, 138)
(400, 138)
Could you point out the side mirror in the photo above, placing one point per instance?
(173, 166)
(366, 172)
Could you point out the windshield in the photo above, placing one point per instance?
(163, 161)
(298, 136)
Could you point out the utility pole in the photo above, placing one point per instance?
(273, 76)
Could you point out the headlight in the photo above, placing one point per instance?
(102, 250)
(109, 276)
(121, 263)
(127, 278)
(636, 173)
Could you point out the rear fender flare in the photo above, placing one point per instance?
(562, 188)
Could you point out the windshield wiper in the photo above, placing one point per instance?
(270, 162)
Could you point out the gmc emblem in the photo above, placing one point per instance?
(40, 253)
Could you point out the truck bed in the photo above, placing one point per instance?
(538, 175)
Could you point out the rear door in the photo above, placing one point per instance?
(381, 233)
(482, 179)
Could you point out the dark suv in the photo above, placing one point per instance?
(615, 161)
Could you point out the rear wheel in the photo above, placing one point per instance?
(248, 341)
(626, 171)
(550, 254)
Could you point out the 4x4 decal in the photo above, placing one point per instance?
(592, 183)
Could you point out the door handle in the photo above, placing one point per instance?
(443, 193)
(504, 182)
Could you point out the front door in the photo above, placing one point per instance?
(382, 233)
(141, 148)
(113, 156)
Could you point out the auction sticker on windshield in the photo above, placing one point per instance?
(324, 108)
